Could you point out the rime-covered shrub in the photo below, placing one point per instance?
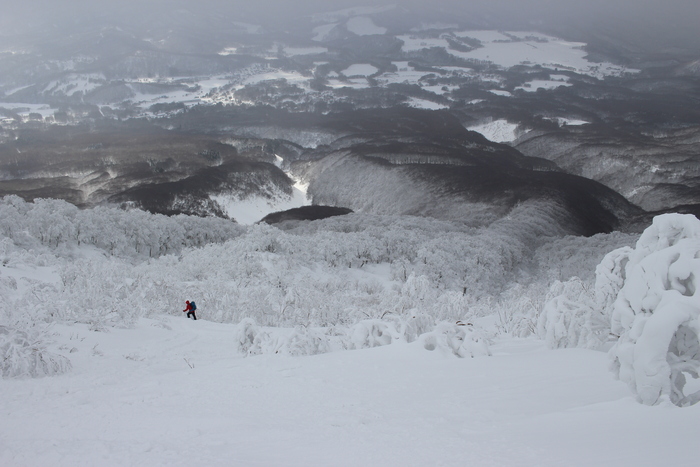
(251, 339)
(413, 326)
(247, 337)
(570, 318)
(307, 341)
(24, 355)
(577, 314)
(460, 339)
(657, 312)
(610, 277)
(373, 333)
(516, 310)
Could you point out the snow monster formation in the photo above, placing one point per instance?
(657, 312)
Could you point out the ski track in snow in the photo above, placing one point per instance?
(175, 392)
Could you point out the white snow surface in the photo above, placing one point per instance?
(425, 104)
(74, 83)
(250, 210)
(174, 392)
(534, 85)
(360, 69)
(499, 131)
(563, 121)
(500, 92)
(508, 49)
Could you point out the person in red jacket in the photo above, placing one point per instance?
(191, 307)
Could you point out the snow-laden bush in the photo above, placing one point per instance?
(516, 310)
(571, 319)
(577, 314)
(23, 354)
(657, 312)
(610, 277)
(246, 337)
(373, 333)
(252, 339)
(459, 339)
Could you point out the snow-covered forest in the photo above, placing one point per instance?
(108, 267)
(351, 282)
(346, 282)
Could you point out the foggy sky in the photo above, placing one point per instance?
(671, 22)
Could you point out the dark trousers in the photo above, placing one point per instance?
(193, 316)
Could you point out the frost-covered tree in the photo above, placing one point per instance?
(24, 354)
(657, 312)
(570, 318)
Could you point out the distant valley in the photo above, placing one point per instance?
(242, 122)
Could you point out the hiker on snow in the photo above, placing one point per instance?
(190, 309)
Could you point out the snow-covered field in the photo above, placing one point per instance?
(509, 49)
(250, 210)
(499, 131)
(360, 69)
(425, 104)
(175, 392)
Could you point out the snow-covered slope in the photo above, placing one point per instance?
(174, 392)
(354, 360)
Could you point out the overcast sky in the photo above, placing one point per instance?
(671, 20)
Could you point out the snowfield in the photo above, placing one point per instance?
(499, 131)
(175, 392)
(250, 210)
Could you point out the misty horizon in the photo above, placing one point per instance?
(652, 24)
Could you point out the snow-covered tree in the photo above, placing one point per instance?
(657, 312)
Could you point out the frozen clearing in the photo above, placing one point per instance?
(499, 131)
(425, 104)
(250, 210)
(175, 392)
(360, 69)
